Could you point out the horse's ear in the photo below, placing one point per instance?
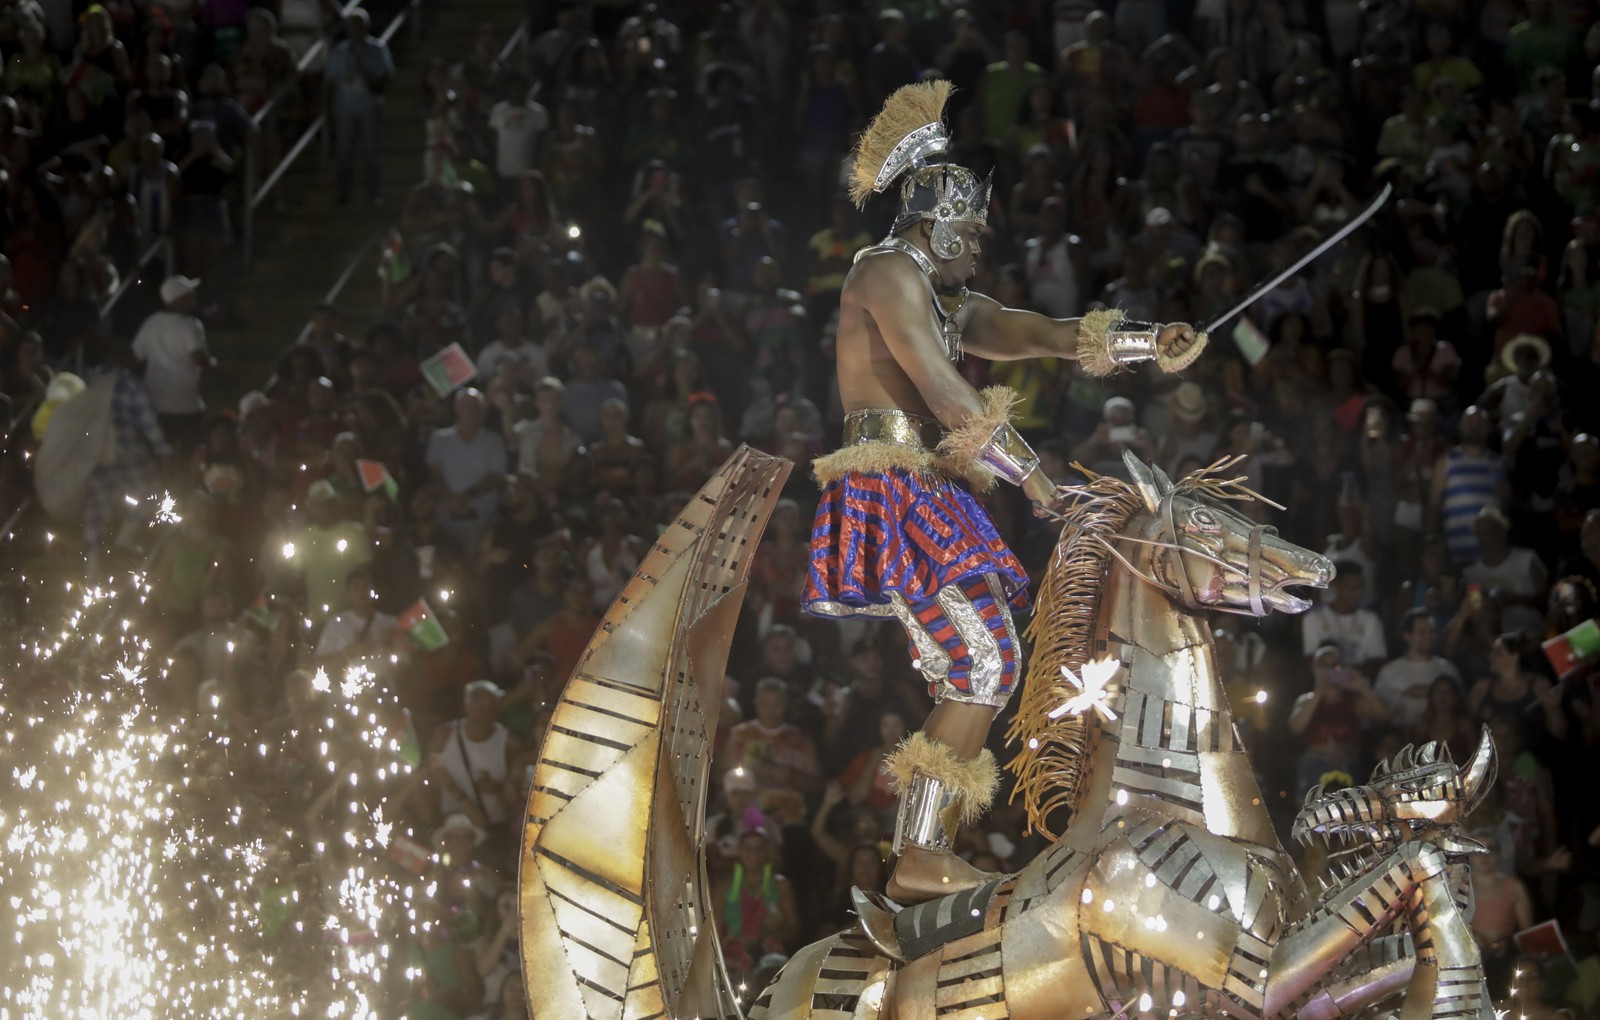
(1152, 483)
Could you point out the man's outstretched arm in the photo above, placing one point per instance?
(1099, 340)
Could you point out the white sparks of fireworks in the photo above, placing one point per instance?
(356, 679)
(147, 876)
(102, 928)
(166, 511)
(1092, 690)
(128, 673)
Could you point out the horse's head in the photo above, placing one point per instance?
(1420, 794)
(1215, 558)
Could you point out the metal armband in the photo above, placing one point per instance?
(1008, 455)
(1129, 342)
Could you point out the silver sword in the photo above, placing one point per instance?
(1304, 260)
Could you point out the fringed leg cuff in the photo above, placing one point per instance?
(970, 782)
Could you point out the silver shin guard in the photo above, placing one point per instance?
(927, 815)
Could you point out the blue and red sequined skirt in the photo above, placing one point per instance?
(877, 533)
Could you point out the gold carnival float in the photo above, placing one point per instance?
(1166, 892)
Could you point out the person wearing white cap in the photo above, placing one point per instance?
(472, 760)
(172, 345)
(1102, 449)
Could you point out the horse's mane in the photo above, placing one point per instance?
(1051, 752)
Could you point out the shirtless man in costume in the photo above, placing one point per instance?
(898, 531)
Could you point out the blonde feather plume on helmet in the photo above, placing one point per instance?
(909, 109)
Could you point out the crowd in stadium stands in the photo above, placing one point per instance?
(635, 229)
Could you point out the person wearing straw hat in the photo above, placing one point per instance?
(1510, 374)
(1187, 433)
(466, 867)
(918, 437)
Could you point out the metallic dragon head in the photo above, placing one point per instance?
(1420, 794)
(1215, 558)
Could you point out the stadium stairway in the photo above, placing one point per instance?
(305, 240)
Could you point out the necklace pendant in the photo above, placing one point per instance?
(946, 305)
(952, 339)
(949, 308)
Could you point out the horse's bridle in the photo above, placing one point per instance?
(1252, 562)
(1183, 588)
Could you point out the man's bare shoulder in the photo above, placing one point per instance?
(882, 274)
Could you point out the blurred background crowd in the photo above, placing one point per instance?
(633, 227)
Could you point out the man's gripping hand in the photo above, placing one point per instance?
(1047, 497)
(1178, 345)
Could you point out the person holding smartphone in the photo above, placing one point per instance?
(1117, 431)
(1329, 719)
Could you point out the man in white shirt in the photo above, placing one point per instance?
(516, 128)
(358, 72)
(1341, 621)
(1403, 684)
(359, 630)
(1513, 575)
(227, 649)
(172, 345)
(514, 351)
(469, 462)
(1051, 263)
(549, 50)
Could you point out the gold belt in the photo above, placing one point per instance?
(885, 425)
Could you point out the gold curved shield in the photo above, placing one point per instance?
(614, 903)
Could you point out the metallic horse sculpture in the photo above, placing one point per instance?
(1166, 895)
(1390, 832)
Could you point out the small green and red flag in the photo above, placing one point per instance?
(1569, 651)
(421, 626)
(375, 476)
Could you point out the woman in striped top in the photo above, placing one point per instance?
(1468, 478)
